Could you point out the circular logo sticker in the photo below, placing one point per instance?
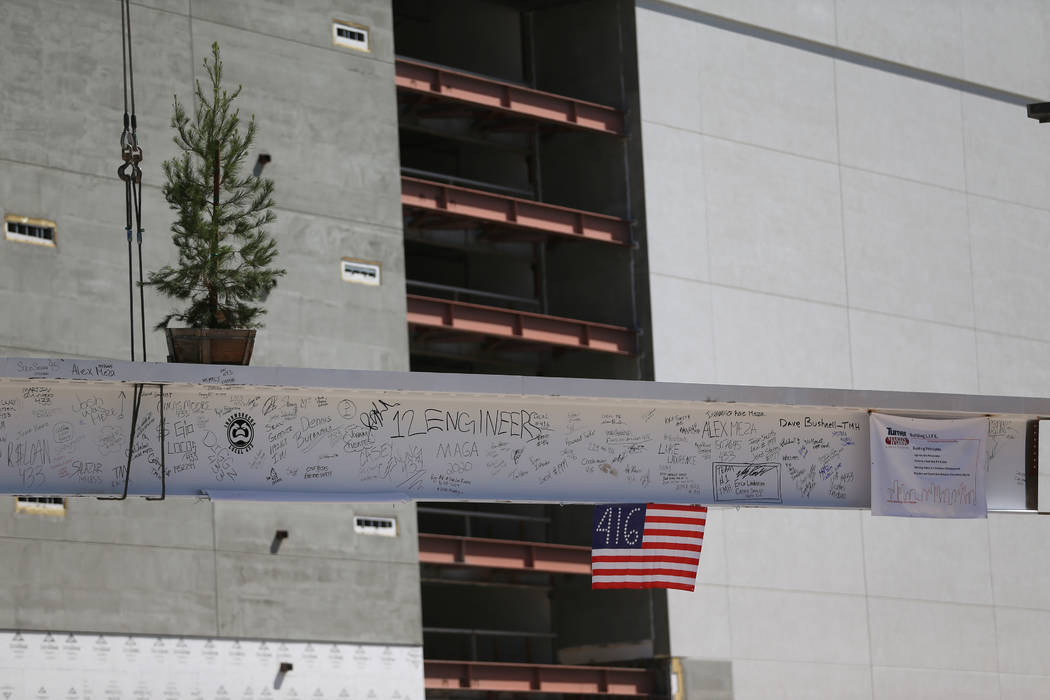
(240, 431)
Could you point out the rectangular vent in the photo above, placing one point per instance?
(375, 525)
(40, 505)
(360, 272)
(26, 230)
(350, 35)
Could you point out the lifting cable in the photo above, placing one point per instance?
(130, 172)
(131, 154)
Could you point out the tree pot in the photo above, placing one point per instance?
(210, 346)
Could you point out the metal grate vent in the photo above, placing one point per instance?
(40, 505)
(349, 35)
(375, 525)
(26, 230)
(360, 272)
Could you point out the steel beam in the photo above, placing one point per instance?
(351, 436)
(536, 678)
(521, 325)
(488, 207)
(478, 91)
(504, 554)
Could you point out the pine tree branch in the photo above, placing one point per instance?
(215, 205)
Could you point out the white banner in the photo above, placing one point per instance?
(928, 468)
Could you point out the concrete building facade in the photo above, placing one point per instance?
(326, 117)
(823, 193)
(847, 194)
(195, 569)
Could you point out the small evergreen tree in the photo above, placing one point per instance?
(224, 251)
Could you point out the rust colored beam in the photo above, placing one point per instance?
(504, 554)
(495, 322)
(466, 88)
(477, 205)
(536, 678)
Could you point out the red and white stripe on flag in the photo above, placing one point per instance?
(646, 545)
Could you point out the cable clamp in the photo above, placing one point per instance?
(135, 175)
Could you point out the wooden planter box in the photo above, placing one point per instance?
(210, 346)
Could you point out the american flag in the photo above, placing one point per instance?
(646, 545)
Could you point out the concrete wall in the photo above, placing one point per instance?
(327, 116)
(185, 567)
(848, 194)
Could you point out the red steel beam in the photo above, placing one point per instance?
(449, 84)
(536, 678)
(495, 322)
(504, 554)
(477, 205)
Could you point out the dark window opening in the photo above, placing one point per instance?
(350, 34)
(43, 233)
